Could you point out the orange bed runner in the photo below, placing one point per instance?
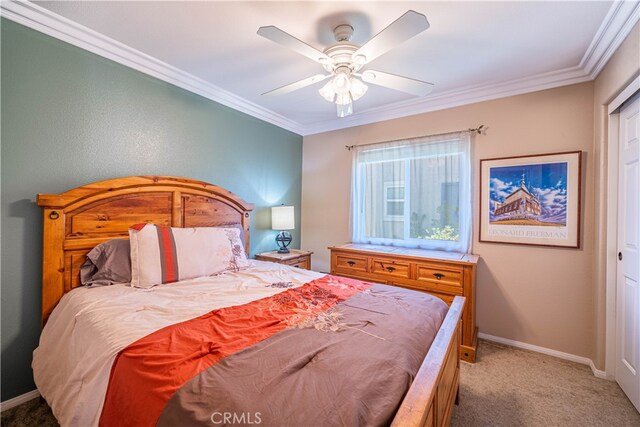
(148, 372)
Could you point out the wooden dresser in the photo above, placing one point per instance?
(443, 274)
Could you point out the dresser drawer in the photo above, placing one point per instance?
(440, 277)
(300, 263)
(390, 268)
(348, 262)
(431, 288)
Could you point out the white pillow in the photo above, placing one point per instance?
(166, 254)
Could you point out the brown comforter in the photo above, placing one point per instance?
(335, 351)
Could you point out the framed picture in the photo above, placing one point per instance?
(531, 200)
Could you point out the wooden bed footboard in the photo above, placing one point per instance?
(430, 399)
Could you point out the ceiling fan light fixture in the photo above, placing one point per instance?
(341, 83)
(327, 91)
(343, 99)
(344, 110)
(343, 92)
(358, 89)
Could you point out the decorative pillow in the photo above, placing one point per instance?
(107, 263)
(235, 226)
(166, 255)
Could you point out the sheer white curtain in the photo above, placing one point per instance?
(413, 193)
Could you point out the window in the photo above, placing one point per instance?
(413, 193)
(393, 201)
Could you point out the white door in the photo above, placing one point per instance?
(628, 288)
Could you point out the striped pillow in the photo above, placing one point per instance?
(165, 255)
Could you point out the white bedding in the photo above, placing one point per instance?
(90, 326)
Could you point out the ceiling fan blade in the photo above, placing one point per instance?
(275, 34)
(403, 84)
(298, 85)
(402, 29)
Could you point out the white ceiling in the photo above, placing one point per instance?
(469, 45)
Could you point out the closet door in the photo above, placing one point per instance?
(628, 290)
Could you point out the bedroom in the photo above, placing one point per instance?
(78, 108)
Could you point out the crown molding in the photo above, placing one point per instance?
(615, 27)
(40, 19)
(618, 23)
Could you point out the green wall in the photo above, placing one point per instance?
(70, 117)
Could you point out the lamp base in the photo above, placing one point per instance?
(283, 239)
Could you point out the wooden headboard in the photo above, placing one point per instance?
(78, 220)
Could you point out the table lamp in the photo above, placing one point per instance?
(282, 219)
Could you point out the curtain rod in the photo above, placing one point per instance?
(477, 130)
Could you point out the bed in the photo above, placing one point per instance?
(88, 365)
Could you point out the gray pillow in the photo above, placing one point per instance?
(107, 263)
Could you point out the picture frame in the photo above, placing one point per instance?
(532, 199)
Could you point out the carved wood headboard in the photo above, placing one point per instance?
(79, 219)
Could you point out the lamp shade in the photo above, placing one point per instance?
(343, 89)
(282, 218)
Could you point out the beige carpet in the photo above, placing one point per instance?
(512, 387)
(506, 387)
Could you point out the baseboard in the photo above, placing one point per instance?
(600, 374)
(549, 352)
(18, 400)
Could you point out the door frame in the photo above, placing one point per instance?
(613, 110)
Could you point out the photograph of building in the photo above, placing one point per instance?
(540, 198)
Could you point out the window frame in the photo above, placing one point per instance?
(462, 148)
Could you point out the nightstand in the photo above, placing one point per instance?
(295, 258)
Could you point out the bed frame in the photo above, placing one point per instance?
(79, 219)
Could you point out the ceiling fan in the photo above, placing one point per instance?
(344, 61)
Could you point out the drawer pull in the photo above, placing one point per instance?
(351, 263)
(390, 269)
(438, 275)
